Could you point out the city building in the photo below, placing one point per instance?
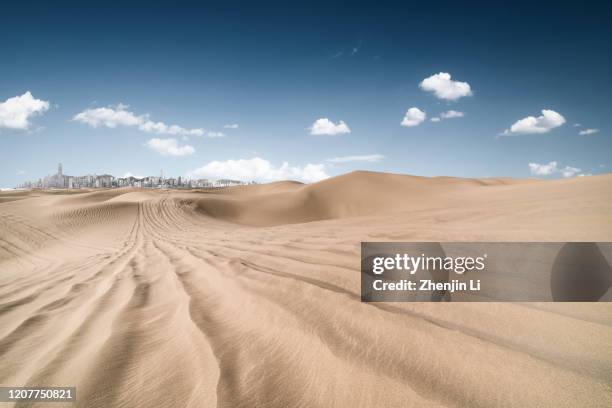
(63, 181)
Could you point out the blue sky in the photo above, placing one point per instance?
(275, 69)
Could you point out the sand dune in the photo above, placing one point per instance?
(249, 296)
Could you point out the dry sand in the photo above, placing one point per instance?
(249, 296)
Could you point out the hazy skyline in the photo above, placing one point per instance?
(273, 91)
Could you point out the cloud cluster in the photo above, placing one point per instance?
(536, 125)
(371, 158)
(443, 87)
(552, 168)
(15, 112)
(231, 126)
(259, 169)
(588, 131)
(169, 147)
(324, 126)
(413, 117)
(114, 116)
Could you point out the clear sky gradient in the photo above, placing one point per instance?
(276, 68)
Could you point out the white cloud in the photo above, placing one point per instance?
(114, 116)
(231, 126)
(365, 158)
(414, 117)
(443, 87)
(170, 147)
(532, 125)
(128, 174)
(576, 125)
(215, 135)
(15, 112)
(569, 171)
(588, 131)
(552, 168)
(162, 128)
(543, 169)
(21, 172)
(324, 126)
(259, 169)
(451, 114)
(110, 117)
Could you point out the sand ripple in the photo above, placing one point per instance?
(249, 297)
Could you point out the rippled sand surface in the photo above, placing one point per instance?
(249, 296)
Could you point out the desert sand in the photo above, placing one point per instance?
(249, 296)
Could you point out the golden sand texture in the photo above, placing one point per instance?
(249, 296)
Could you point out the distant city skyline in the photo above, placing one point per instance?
(274, 91)
(60, 180)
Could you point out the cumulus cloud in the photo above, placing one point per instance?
(365, 158)
(569, 171)
(543, 169)
(259, 169)
(114, 116)
(552, 168)
(129, 174)
(536, 125)
(324, 126)
(452, 114)
(215, 135)
(443, 87)
(169, 147)
(162, 128)
(414, 117)
(231, 126)
(588, 131)
(15, 112)
(110, 117)
(21, 172)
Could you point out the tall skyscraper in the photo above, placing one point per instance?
(59, 170)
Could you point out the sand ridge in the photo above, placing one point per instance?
(249, 296)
